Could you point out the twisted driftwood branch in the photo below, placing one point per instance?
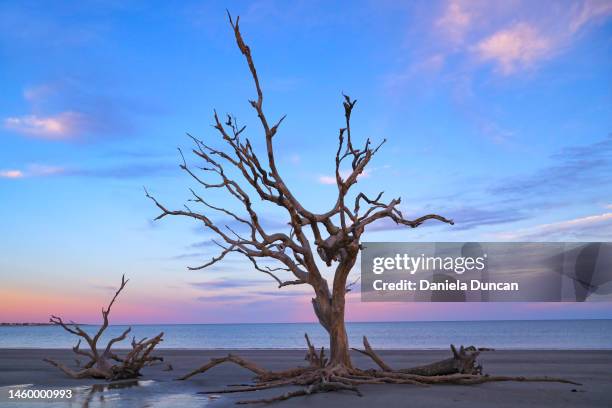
(368, 351)
(100, 363)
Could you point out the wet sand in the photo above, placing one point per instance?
(24, 368)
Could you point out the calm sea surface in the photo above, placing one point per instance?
(548, 334)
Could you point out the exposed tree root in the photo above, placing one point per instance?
(462, 369)
(323, 386)
(105, 364)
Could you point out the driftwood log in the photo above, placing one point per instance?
(105, 363)
(463, 361)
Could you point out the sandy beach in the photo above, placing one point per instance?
(25, 368)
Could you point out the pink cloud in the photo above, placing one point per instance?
(455, 21)
(514, 35)
(62, 126)
(587, 11)
(12, 174)
(51, 118)
(519, 46)
(33, 170)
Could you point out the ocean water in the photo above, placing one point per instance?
(532, 334)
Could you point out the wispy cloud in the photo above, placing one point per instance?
(268, 222)
(120, 171)
(588, 11)
(127, 170)
(227, 283)
(519, 46)
(187, 255)
(514, 36)
(237, 290)
(204, 244)
(575, 175)
(599, 226)
(69, 110)
(575, 171)
(527, 36)
(250, 297)
(11, 174)
(469, 217)
(467, 37)
(465, 218)
(63, 126)
(225, 298)
(33, 170)
(455, 21)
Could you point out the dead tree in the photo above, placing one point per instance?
(333, 236)
(336, 232)
(105, 363)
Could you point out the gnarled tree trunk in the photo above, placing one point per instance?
(330, 313)
(338, 339)
(330, 308)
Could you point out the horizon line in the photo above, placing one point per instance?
(6, 324)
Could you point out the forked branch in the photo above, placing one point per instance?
(104, 363)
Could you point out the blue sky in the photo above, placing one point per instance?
(497, 114)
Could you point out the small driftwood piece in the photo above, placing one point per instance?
(463, 361)
(105, 363)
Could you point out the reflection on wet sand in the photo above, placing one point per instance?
(130, 393)
(102, 388)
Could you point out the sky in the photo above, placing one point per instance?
(496, 114)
